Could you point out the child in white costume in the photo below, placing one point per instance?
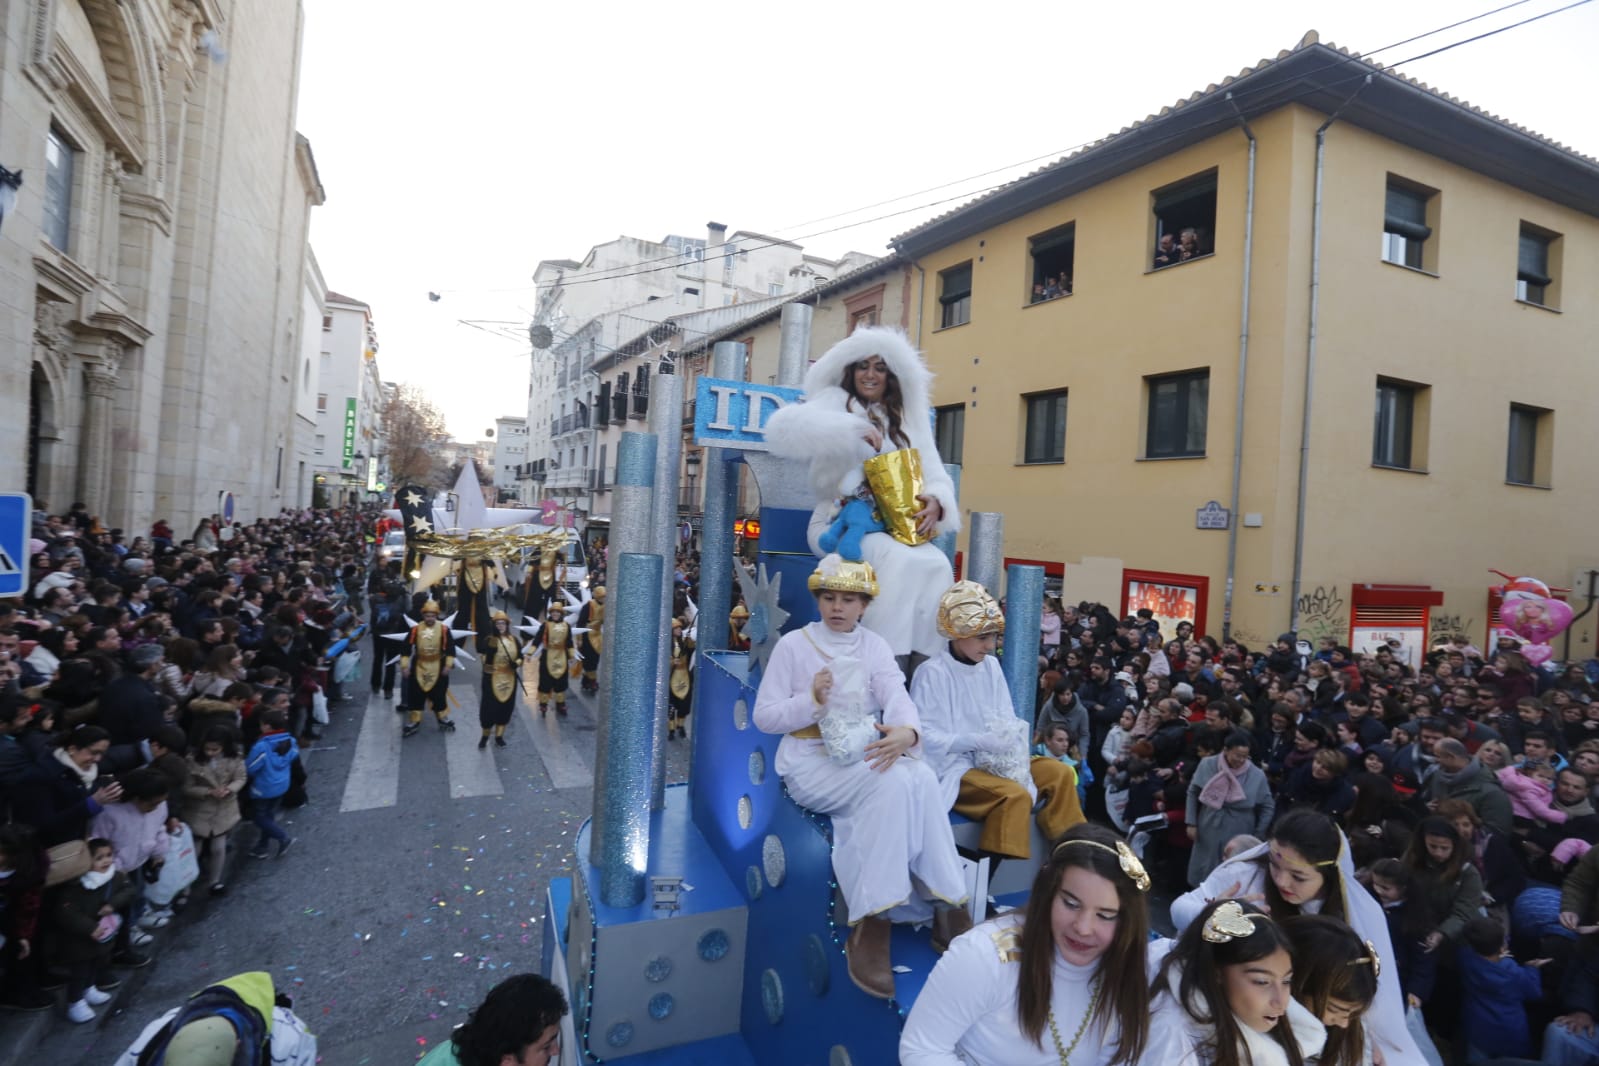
(969, 725)
(869, 395)
(889, 825)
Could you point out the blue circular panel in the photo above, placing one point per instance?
(661, 1006)
(772, 996)
(752, 882)
(757, 766)
(658, 969)
(713, 945)
(816, 972)
(620, 1034)
(774, 861)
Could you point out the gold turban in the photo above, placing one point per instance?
(967, 610)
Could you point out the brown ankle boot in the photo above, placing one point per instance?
(867, 953)
(949, 923)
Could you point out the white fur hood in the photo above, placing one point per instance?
(895, 348)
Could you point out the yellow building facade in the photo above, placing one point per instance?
(1432, 271)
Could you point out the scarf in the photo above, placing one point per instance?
(1581, 809)
(1464, 776)
(95, 878)
(86, 776)
(1224, 788)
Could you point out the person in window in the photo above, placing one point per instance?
(1038, 292)
(1051, 287)
(1165, 251)
(1188, 245)
(868, 396)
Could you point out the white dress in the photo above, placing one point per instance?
(1385, 1019)
(828, 431)
(1177, 1039)
(966, 1013)
(887, 827)
(951, 696)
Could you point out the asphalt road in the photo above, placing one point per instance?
(415, 884)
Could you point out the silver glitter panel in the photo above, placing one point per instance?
(632, 504)
(1024, 602)
(985, 550)
(794, 344)
(666, 413)
(624, 851)
(945, 542)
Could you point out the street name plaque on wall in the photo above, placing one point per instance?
(1212, 516)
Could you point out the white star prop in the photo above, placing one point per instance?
(462, 653)
(394, 660)
(420, 525)
(413, 499)
(766, 620)
(530, 628)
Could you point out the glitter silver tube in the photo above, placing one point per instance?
(1024, 603)
(985, 550)
(624, 850)
(666, 413)
(945, 542)
(632, 506)
(721, 509)
(794, 344)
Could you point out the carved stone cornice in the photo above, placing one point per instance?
(52, 326)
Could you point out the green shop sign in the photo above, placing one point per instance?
(349, 433)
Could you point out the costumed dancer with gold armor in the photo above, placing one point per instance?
(539, 588)
(737, 619)
(472, 597)
(970, 733)
(680, 682)
(590, 644)
(555, 646)
(893, 852)
(502, 660)
(429, 658)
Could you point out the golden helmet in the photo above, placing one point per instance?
(431, 605)
(599, 593)
(839, 575)
(556, 610)
(499, 616)
(967, 610)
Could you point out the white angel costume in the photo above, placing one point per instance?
(1176, 1038)
(888, 828)
(829, 429)
(966, 1013)
(1385, 1018)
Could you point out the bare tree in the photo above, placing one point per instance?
(415, 430)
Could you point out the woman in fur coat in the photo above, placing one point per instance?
(869, 395)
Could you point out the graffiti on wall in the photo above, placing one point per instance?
(1441, 627)
(1322, 613)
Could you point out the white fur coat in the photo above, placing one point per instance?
(829, 430)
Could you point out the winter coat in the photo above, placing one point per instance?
(269, 763)
(137, 836)
(1478, 787)
(55, 801)
(1495, 1012)
(205, 712)
(1455, 903)
(1417, 967)
(1251, 815)
(76, 912)
(130, 710)
(1529, 798)
(208, 816)
(174, 769)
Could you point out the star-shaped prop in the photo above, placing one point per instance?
(766, 616)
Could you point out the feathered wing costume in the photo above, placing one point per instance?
(829, 429)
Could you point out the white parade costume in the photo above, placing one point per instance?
(1177, 1039)
(952, 697)
(292, 1043)
(966, 1013)
(829, 430)
(887, 827)
(1385, 1018)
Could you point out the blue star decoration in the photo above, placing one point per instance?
(766, 616)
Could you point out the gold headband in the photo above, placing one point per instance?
(1124, 855)
(1230, 922)
(1371, 958)
(1303, 865)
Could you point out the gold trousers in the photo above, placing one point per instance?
(1003, 806)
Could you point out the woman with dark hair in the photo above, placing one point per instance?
(868, 396)
(1223, 996)
(222, 667)
(1066, 980)
(1503, 876)
(1442, 863)
(77, 689)
(519, 1021)
(60, 794)
(1228, 796)
(1306, 868)
(1335, 978)
(55, 645)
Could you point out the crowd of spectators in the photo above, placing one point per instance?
(1185, 244)
(152, 693)
(1465, 784)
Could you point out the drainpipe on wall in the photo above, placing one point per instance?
(921, 296)
(1310, 361)
(1243, 375)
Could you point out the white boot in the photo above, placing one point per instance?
(95, 997)
(81, 1012)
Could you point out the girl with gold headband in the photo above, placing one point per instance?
(1335, 978)
(1066, 981)
(1305, 868)
(868, 395)
(893, 852)
(1224, 995)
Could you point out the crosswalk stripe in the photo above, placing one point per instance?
(374, 779)
(562, 760)
(472, 772)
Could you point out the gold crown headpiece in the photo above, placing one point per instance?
(839, 575)
(967, 610)
(1130, 864)
(1230, 922)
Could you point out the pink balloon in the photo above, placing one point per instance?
(1537, 654)
(1535, 618)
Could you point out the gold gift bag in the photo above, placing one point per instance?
(896, 480)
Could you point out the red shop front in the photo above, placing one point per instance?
(1392, 615)
(1171, 598)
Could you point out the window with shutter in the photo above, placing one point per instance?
(1405, 231)
(1534, 267)
(955, 296)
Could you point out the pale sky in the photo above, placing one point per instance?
(461, 143)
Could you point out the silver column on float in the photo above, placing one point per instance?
(632, 511)
(721, 509)
(1024, 604)
(945, 542)
(666, 413)
(794, 344)
(622, 788)
(985, 550)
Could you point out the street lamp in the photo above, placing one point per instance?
(10, 182)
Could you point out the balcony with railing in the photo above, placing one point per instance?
(619, 407)
(641, 403)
